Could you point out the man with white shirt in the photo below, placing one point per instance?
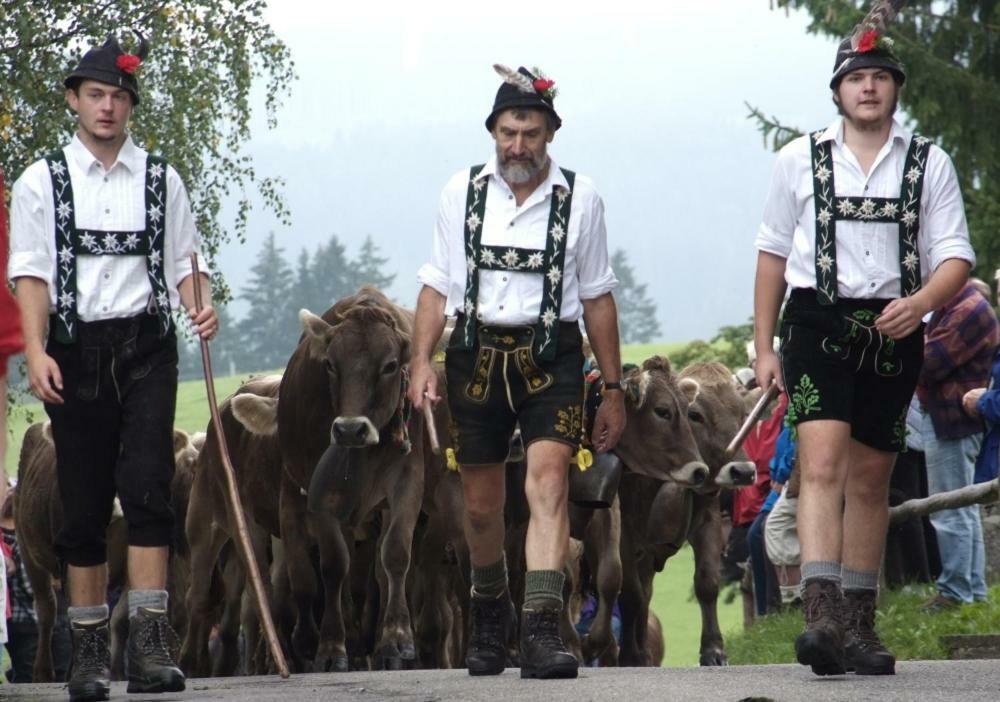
(101, 238)
(865, 223)
(519, 254)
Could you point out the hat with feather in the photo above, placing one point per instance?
(110, 65)
(524, 89)
(868, 46)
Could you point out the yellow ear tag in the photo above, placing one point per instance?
(438, 357)
(452, 461)
(584, 459)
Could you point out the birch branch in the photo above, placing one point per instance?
(980, 494)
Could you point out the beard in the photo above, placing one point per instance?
(517, 171)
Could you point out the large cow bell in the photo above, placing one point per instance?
(597, 486)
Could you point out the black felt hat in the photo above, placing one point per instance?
(524, 89)
(110, 65)
(879, 55)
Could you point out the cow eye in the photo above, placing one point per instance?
(390, 368)
(696, 416)
(662, 412)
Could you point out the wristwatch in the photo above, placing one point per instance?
(612, 385)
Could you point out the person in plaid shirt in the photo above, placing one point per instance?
(960, 343)
(22, 624)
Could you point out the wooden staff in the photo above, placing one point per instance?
(263, 611)
(741, 435)
(432, 431)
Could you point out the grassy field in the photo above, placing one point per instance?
(907, 631)
(673, 599)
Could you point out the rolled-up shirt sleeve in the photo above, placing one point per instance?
(182, 234)
(942, 220)
(31, 242)
(434, 273)
(592, 266)
(777, 228)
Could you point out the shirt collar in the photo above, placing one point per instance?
(129, 155)
(835, 132)
(554, 178)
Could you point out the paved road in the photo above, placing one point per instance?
(967, 681)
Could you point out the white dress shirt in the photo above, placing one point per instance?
(515, 298)
(108, 287)
(867, 252)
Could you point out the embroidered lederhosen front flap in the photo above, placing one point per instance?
(549, 263)
(503, 344)
(903, 210)
(72, 241)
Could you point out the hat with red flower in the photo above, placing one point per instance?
(109, 64)
(523, 89)
(868, 46)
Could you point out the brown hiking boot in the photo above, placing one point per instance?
(543, 653)
(864, 652)
(89, 679)
(821, 645)
(152, 646)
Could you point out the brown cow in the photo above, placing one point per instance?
(675, 513)
(38, 514)
(211, 526)
(342, 401)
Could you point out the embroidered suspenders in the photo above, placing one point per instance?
(904, 210)
(548, 263)
(71, 241)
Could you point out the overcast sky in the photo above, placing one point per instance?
(391, 101)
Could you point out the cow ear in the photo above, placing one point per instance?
(181, 441)
(635, 385)
(690, 388)
(655, 363)
(317, 334)
(198, 440)
(47, 432)
(258, 415)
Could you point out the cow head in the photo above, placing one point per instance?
(657, 441)
(716, 413)
(363, 352)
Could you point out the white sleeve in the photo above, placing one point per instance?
(943, 228)
(435, 273)
(32, 243)
(592, 266)
(182, 238)
(777, 228)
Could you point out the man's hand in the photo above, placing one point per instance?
(44, 378)
(609, 422)
(423, 383)
(900, 318)
(767, 367)
(970, 399)
(205, 323)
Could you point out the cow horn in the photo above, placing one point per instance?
(143, 50)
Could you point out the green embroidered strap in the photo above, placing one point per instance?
(904, 211)
(547, 328)
(72, 241)
(549, 262)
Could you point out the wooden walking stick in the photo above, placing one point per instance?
(741, 435)
(432, 433)
(243, 542)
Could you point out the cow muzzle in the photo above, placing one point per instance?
(737, 474)
(353, 432)
(693, 474)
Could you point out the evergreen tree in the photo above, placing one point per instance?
(637, 321)
(366, 269)
(304, 291)
(331, 275)
(268, 334)
(952, 93)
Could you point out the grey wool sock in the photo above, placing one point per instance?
(859, 579)
(543, 588)
(489, 582)
(150, 599)
(821, 570)
(87, 615)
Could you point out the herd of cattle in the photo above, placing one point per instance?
(357, 524)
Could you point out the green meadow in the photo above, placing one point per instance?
(673, 599)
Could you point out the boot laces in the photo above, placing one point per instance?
(823, 605)
(863, 622)
(92, 653)
(487, 623)
(156, 640)
(546, 629)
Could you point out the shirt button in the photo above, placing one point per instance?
(866, 188)
(107, 276)
(105, 179)
(105, 308)
(505, 279)
(872, 285)
(501, 308)
(510, 197)
(868, 253)
(107, 210)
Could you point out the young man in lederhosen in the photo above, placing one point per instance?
(865, 223)
(520, 254)
(101, 238)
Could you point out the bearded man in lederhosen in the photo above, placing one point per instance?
(865, 222)
(519, 254)
(101, 238)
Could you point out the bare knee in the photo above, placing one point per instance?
(547, 488)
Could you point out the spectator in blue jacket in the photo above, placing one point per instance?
(985, 403)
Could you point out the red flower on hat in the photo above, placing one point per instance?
(542, 84)
(869, 40)
(128, 63)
